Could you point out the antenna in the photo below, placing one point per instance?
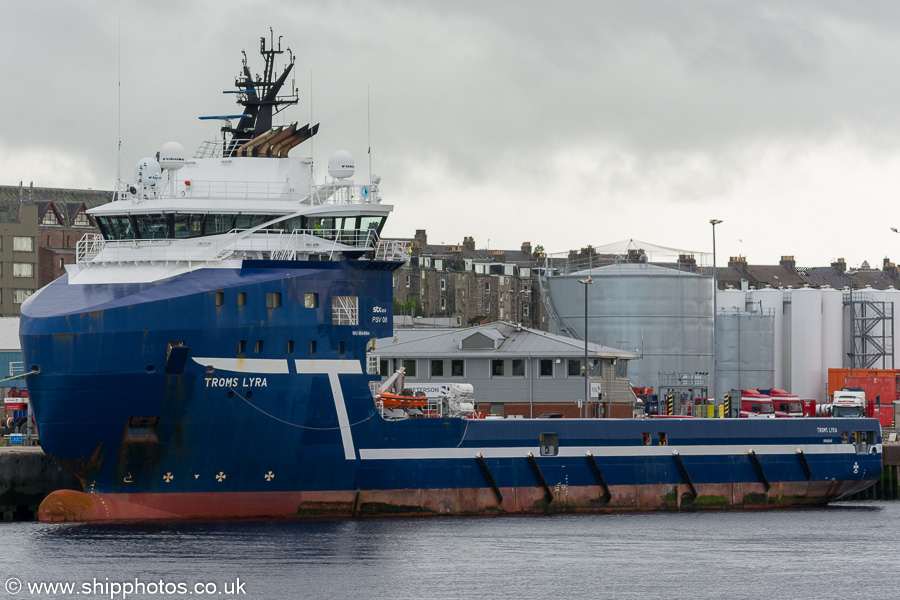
(369, 129)
(312, 140)
(119, 116)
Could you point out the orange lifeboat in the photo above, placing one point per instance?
(402, 400)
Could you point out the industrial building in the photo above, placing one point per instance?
(514, 370)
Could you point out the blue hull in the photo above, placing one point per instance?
(222, 388)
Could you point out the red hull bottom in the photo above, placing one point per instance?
(72, 506)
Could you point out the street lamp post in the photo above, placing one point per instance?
(715, 379)
(585, 283)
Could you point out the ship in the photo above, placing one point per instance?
(205, 357)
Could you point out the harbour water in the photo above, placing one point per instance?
(842, 551)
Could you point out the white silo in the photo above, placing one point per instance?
(807, 376)
(731, 299)
(833, 352)
(770, 299)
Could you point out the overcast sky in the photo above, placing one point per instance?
(559, 123)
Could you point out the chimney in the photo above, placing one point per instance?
(738, 262)
(789, 262)
(469, 242)
(526, 248)
(687, 260)
(421, 237)
(889, 267)
(840, 265)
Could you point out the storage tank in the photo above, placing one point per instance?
(807, 376)
(833, 353)
(771, 300)
(665, 314)
(745, 349)
(731, 299)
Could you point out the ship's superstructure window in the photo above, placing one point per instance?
(23, 244)
(188, 226)
(23, 269)
(549, 444)
(242, 347)
(290, 347)
(220, 298)
(341, 347)
(310, 300)
(242, 298)
(273, 299)
(663, 439)
(152, 226)
(258, 347)
(645, 438)
(345, 310)
(19, 296)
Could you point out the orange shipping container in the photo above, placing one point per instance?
(836, 377)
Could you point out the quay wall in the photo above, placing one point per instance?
(27, 476)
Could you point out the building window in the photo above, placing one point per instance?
(443, 303)
(345, 310)
(497, 368)
(546, 367)
(457, 368)
(518, 367)
(525, 310)
(622, 369)
(23, 269)
(61, 263)
(23, 244)
(384, 367)
(487, 287)
(310, 300)
(437, 368)
(410, 367)
(50, 217)
(82, 220)
(487, 308)
(273, 299)
(443, 284)
(19, 296)
(407, 281)
(574, 367)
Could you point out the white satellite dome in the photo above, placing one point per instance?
(171, 156)
(147, 171)
(341, 165)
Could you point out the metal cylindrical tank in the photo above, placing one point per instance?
(807, 376)
(731, 299)
(663, 313)
(833, 352)
(771, 300)
(745, 349)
